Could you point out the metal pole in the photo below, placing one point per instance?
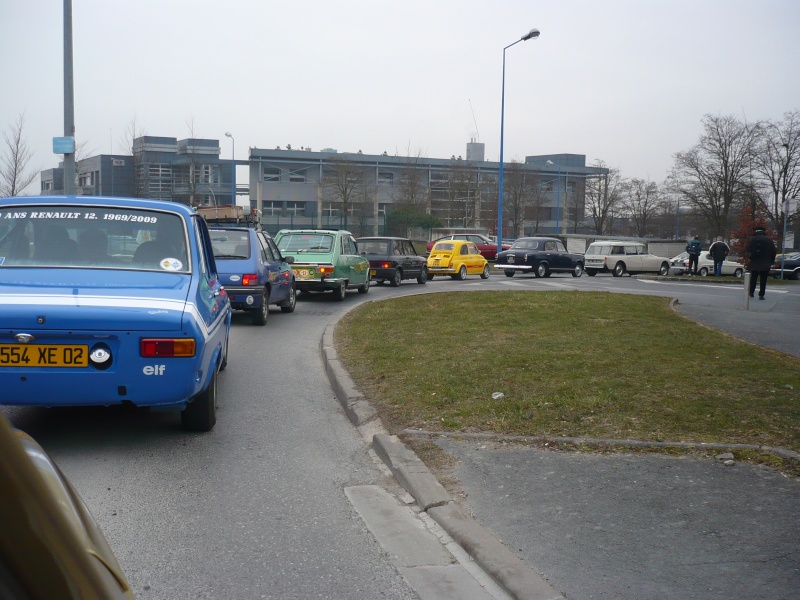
(783, 242)
(558, 201)
(69, 101)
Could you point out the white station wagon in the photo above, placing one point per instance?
(620, 257)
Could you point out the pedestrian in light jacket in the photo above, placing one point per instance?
(761, 252)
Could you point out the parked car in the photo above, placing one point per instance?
(457, 259)
(541, 256)
(393, 259)
(487, 247)
(325, 260)
(679, 265)
(620, 257)
(51, 546)
(82, 326)
(252, 269)
(789, 264)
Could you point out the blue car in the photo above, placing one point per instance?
(109, 301)
(253, 271)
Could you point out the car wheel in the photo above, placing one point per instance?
(509, 272)
(462, 273)
(397, 278)
(340, 293)
(485, 273)
(423, 276)
(541, 270)
(288, 305)
(619, 269)
(704, 272)
(430, 276)
(261, 314)
(363, 289)
(664, 270)
(578, 270)
(738, 273)
(591, 272)
(201, 413)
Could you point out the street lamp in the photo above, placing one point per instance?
(550, 163)
(785, 217)
(532, 34)
(233, 167)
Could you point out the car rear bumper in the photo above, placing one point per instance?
(513, 267)
(382, 273)
(318, 285)
(243, 298)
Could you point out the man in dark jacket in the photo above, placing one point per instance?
(694, 248)
(761, 252)
(718, 250)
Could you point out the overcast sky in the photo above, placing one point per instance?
(624, 81)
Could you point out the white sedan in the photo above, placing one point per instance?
(679, 265)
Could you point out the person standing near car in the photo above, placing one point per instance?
(719, 250)
(694, 248)
(761, 252)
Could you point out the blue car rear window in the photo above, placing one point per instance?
(230, 243)
(92, 237)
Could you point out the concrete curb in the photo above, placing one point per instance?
(513, 575)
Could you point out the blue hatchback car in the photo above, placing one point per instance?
(110, 301)
(252, 269)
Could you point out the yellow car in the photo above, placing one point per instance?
(458, 259)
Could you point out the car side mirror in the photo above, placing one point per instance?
(288, 259)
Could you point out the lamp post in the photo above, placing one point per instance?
(233, 167)
(550, 163)
(785, 216)
(213, 195)
(532, 34)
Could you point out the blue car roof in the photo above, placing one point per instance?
(104, 200)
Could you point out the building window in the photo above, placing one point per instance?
(546, 186)
(331, 211)
(571, 186)
(47, 185)
(272, 174)
(295, 208)
(297, 176)
(85, 179)
(272, 208)
(385, 178)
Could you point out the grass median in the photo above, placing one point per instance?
(576, 364)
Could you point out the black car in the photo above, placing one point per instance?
(788, 264)
(540, 256)
(393, 259)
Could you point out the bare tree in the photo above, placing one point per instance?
(777, 161)
(603, 195)
(411, 188)
(14, 161)
(463, 192)
(715, 175)
(518, 186)
(132, 132)
(342, 183)
(641, 200)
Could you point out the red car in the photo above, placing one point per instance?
(487, 247)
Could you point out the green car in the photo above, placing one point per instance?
(325, 260)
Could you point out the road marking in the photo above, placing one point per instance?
(723, 286)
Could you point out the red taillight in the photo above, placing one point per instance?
(250, 279)
(181, 347)
(325, 271)
(386, 265)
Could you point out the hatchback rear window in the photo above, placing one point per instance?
(306, 242)
(92, 237)
(444, 247)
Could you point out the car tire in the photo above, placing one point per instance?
(261, 314)
(703, 272)
(738, 273)
(201, 413)
(619, 269)
(462, 273)
(541, 270)
(224, 362)
(423, 276)
(577, 271)
(509, 272)
(289, 304)
(340, 292)
(591, 272)
(485, 272)
(363, 289)
(664, 270)
(430, 276)
(396, 279)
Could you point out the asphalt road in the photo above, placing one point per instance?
(259, 507)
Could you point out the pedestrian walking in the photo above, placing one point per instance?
(719, 250)
(761, 253)
(694, 248)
